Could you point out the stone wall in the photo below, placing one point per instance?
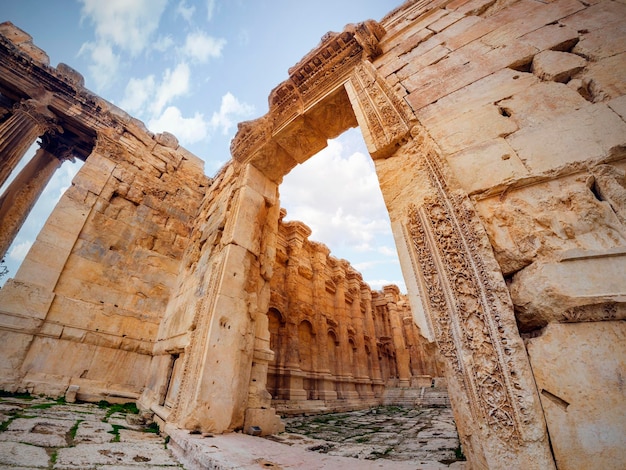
(524, 103)
(85, 306)
(337, 344)
(498, 134)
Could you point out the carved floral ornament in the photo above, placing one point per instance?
(464, 313)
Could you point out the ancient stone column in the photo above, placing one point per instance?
(21, 195)
(295, 381)
(29, 120)
(360, 371)
(326, 383)
(397, 336)
(370, 340)
(344, 370)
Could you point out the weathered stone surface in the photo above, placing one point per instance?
(579, 369)
(557, 66)
(14, 454)
(159, 280)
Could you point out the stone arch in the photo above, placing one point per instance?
(456, 289)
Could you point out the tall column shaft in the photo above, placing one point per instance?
(29, 120)
(22, 194)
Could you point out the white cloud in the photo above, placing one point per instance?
(185, 11)
(139, 91)
(20, 250)
(210, 6)
(378, 284)
(231, 110)
(105, 63)
(175, 83)
(338, 197)
(187, 130)
(163, 43)
(199, 46)
(128, 25)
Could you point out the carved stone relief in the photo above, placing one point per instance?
(467, 311)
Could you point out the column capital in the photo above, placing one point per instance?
(55, 146)
(39, 113)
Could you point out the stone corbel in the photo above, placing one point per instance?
(368, 34)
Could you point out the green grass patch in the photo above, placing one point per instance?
(24, 396)
(5, 424)
(42, 406)
(74, 429)
(53, 457)
(152, 427)
(117, 408)
(116, 432)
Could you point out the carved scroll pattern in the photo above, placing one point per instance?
(385, 113)
(465, 314)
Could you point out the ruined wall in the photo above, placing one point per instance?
(524, 103)
(497, 131)
(85, 306)
(337, 343)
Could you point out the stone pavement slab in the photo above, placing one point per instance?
(16, 454)
(92, 456)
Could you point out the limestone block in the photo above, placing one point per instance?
(14, 454)
(491, 89)
(265, 419)
(542, 102)
(583, 135)
(71, 74)
(70, 394)
(486, 166)
(557, 37)
(597, 17)
(579, 370)
(25, 299)
(14, 347)
(510, 29)
(619, 106)
(519, 18)
(42, 274)
(603, 43)
(557, 66)
(110, 455)
(543, 220)
(94, 174)
(243, 228)
(167, 140)
(544, 292)
(605, 78)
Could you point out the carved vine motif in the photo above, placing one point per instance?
(465, 313)
(386, 115)
(599, 312)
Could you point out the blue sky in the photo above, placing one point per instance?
(196, 69)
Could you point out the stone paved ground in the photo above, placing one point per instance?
(420, 435)
(42, 433)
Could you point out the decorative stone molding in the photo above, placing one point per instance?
(470, 313)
